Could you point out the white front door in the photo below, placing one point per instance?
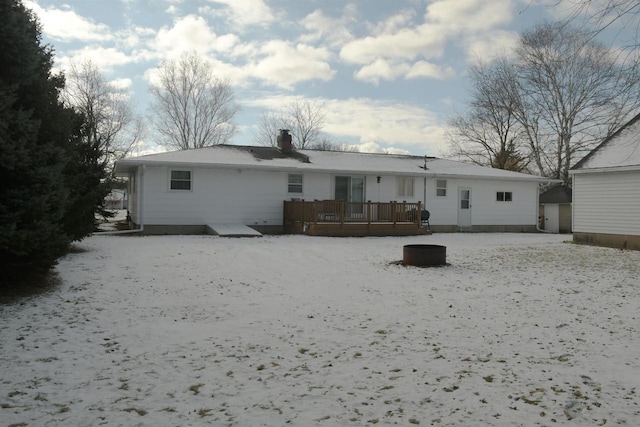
(464, 207)
(552, 218)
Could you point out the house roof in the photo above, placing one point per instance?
(620, 150)
(271, 158)
(557, 194)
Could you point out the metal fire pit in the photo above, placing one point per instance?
(424, 255)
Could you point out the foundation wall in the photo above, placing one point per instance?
(608, 240)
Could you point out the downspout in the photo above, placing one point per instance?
(424, 185)
(140, 210)
(424, 193)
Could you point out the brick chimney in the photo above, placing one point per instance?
(284, 141)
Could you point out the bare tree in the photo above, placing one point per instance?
(574, 89)
(193, 108)
(560, 95)
(267, 129)
(302, 117)
(602, 14)
(326, 143)
(305, 120)
(489, 133)
(111, 125)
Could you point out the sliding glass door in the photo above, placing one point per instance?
(350, 189)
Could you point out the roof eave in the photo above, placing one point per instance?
(126, 166)
(631, 168)
(524, 178)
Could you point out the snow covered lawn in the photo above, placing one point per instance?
(520, 329)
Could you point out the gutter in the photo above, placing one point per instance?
(631, 168)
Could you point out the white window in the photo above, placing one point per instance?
(180, 180)
(294, 184)
(441, 188)
(405, 187)
(504, 196)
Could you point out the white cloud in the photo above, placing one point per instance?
(384, 70)
(396, 22)
(383, 124)
(468, 16)
(188, 34)
(387, 53)
(427, 69)
(236, 75)
(408, 43)
(122, 83)
(380, 69)
(134, 37)
(103, 58)
(172, 10)
(498, 43)
(242, 12)
(66, 25)
(334, 30)
(373, 147)
(284, 65)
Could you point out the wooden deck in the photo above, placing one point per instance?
(347, 219)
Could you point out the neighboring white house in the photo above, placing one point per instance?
(606, 191)
(182, 191)
(116, 199)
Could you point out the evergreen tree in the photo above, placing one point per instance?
(45, 172)
(86, 182)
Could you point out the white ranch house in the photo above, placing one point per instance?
(181, 192)
(606, 191)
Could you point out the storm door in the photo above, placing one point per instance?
(464, 207)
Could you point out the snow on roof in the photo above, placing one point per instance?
(622, 149)
(235, 156)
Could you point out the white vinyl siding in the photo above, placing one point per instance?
(522, 210)
(256, 197)
(222, 196)
(607, 203)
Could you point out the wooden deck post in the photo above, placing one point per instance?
(394, 212)
(315, 211)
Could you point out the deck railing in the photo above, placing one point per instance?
(335, 211)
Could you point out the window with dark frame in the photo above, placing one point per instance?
(504, 196)
(294, 184)
(180, 180)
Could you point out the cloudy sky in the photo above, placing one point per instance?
(390, 73)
